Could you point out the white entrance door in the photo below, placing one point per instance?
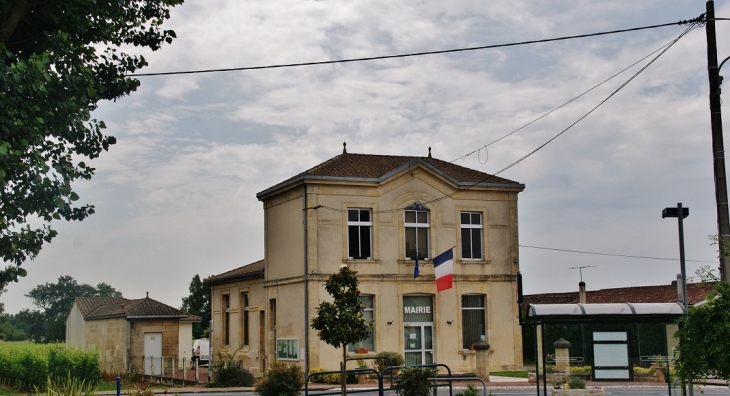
(418, 339)
(153, 353)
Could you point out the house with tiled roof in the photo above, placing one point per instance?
(131, 335)
(633, 294)
(380, 215)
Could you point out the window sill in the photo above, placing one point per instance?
(413, 262)
(360, 261)
(366, 354)
(473, 262)
(467, 352)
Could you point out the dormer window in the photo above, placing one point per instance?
(417, 224)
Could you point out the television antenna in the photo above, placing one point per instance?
(581, 270)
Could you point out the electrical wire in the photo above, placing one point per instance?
(372, 58)
(564, 104)
(692, 26)
(612, 254)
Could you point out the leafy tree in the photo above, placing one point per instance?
(704, 334)
(32, 323)
(58, 59)
(198, 303)
(341, 322)
(56, 299)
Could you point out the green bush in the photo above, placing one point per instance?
(332, 378)
(282, 379)
(470, 390)
(581, 370)
(395, 357)
(414, 381)
(576, 383)
(68, 387)
(228, 373)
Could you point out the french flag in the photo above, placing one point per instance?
(444, 270)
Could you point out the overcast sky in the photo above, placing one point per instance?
(175, 196)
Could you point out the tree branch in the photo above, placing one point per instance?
(10, 21)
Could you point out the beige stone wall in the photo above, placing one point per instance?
(387, 276)
(75, 329)
(110, 338)
(252, 355)
(186, 342)
(170, 338)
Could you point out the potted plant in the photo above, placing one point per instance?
(361, 350)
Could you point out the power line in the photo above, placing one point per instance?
(489, 177)
(279, 66)
(612, 254)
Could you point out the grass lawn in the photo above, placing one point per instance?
(513, 374)
(6, 391)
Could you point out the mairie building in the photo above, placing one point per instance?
(379, 215)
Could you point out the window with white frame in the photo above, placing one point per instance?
(473, 319)
(471, 235)
(417, 231)
(368, 314)
(359, 233)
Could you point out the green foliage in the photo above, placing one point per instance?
(27, 366)
(282, 379)
(395, 358)
(58, 59)
(704, 335)
(55, 301)
(228, 373)
(470, 390)
(69, 387)
(198, 303)
(341, 322)
(414, 381)
(332, 378)
(576, 383)
(581, 370)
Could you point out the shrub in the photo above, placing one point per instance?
(414, 381)
(580, 370)
(228, 373)
(395, 357)
(282, 379)
(576, 383)
(470, 390)
(332, 378)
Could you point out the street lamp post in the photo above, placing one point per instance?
(680, 213)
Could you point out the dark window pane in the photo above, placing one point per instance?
(365, 215)
(473, 320)
(352, 214)
(422, 242)
(410, 216)
(476, 243)
(466, 243)
(465, 218)
(353, 239)
(422, 217)
(473, 301)
(476, 218)
(411, 242)
(365, 251)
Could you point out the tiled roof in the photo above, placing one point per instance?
(376, 167)
(88, 304)
(635, 294)
(139, 308)
(248, 271)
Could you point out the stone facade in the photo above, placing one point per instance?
(283, 302)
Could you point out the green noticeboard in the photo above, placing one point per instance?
(287, 349)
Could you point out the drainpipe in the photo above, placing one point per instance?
(306, 281)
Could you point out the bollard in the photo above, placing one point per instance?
(119, 386)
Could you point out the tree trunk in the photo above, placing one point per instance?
(343, 371)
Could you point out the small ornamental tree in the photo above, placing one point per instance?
(704, 334)
(341, 322)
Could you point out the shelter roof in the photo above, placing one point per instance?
(635, 294)
(248, 271)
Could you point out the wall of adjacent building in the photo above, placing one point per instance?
(75, 328)
(111, 338)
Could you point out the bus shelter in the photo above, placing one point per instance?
(608, 334)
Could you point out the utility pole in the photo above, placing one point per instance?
(718, 148)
